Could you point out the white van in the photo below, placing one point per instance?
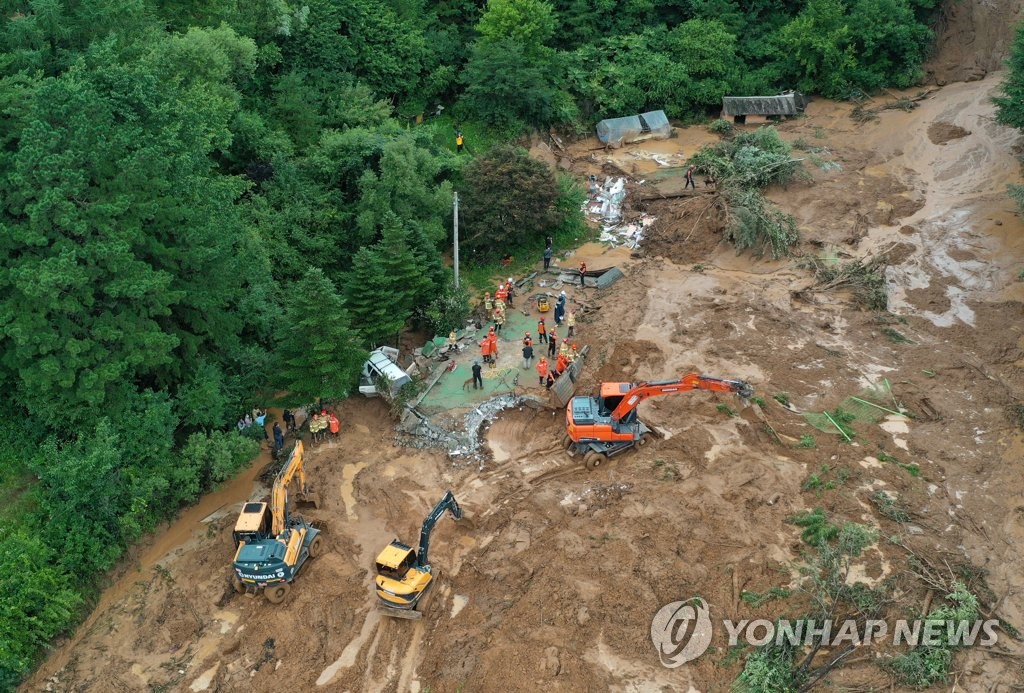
(382, 363)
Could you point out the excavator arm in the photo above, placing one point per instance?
(279, 496)
(690, 381)
(449, 504)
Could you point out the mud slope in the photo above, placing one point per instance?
(973, 39)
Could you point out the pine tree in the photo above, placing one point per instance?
(369, 300)
(1010, 106)
(321, 354)
(404, 269)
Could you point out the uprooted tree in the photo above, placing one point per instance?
(743, 165)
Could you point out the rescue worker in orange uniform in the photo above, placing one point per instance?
(485, 349)
(542, 331)
(561, 364)
(493, 339)
(334, 425)
(542, 370)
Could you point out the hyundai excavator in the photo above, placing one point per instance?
(272, 544)
(603, 426)
(403, 575)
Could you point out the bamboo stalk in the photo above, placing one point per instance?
(872, 404)
(838, 427)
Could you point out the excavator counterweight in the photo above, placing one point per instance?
(606, 425)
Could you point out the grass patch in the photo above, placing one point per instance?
(911, 469)
(807, 442)
(929, 663)
(726, 409)
(817, 481)
(865, 280)
(759, 599)
(817, 530)
(1015, 412)
(782, 398)
(720, 126)
(888, 506)
(895, 336)
(669, 471)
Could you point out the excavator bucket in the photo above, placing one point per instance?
(565, 387)
(310, 496)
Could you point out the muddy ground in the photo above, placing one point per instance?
(551, 581)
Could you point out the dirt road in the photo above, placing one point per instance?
(551, 582)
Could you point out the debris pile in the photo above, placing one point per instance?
(418, 431)
(605, 208)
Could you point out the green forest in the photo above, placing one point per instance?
(205, 202)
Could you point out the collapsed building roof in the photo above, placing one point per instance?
(790, 103)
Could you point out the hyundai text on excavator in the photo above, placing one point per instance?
(272, 543)
(608, 424)
(403, 575)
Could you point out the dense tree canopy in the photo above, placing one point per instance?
(510, 200)
(1010, 102)
(203, 202)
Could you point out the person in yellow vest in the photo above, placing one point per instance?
(564, 349)
(488, 304)
(571, 322)
(499, 320)
(460, 141)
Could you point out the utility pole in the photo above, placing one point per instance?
(455, 233)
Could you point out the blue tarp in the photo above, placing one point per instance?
(616, 131)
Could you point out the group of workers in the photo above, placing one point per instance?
(546, 372)
(496, 307)
(560, 352)
(322, 423)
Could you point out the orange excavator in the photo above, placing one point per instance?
(603, 426)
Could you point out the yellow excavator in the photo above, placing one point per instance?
(272, 543)
(403, 574)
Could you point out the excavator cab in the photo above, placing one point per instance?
(395, 560)
(611, 396)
